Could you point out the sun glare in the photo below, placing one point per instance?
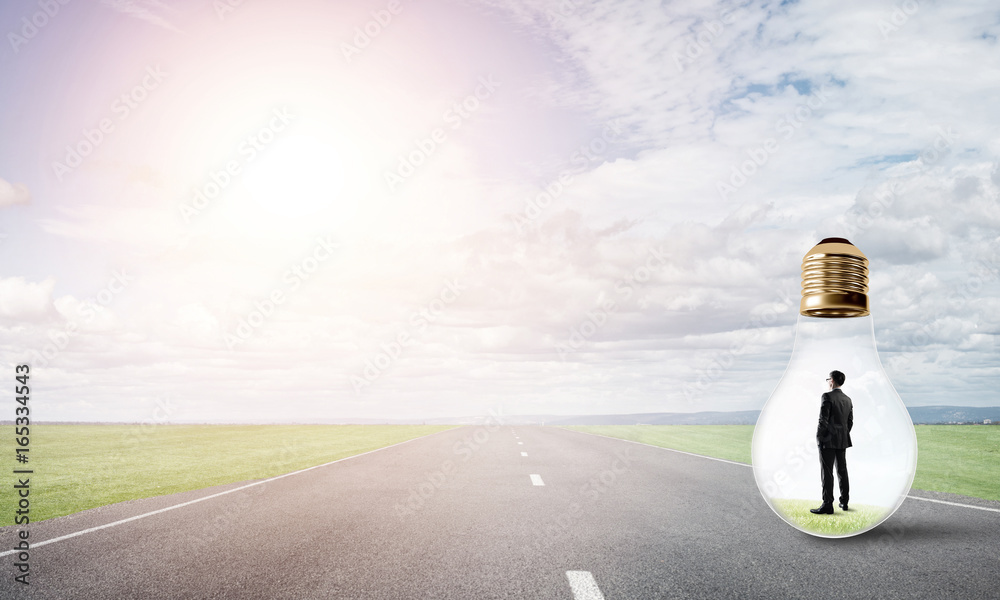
(297, 175)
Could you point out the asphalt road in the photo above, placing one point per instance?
(460, 515)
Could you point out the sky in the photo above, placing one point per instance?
(263, 211)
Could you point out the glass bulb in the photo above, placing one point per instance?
(834, 332)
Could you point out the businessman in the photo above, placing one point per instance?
(836, 417)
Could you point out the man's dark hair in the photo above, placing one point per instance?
(838, 378)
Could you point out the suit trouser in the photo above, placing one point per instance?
(827, 458)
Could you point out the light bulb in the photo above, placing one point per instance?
(834, 332)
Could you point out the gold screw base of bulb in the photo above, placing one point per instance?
(834, 281)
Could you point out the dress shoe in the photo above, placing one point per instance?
(826, 509)
(843, 505)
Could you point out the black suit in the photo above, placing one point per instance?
(836, 417)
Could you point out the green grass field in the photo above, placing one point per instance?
(959, 459)
(83, 466)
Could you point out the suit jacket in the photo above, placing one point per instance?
(836, 417)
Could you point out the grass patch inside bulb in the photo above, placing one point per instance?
(859, 517)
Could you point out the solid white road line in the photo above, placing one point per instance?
(955, 504)
(535, 480)
(583, 585)
(524, 454)
(196, 500)
(732, 462)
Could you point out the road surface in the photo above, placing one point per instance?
(502, 512)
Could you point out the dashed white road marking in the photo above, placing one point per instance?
(583, 585)
(524, 454)
(520, 443)
(536, 479)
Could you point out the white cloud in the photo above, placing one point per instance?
(11, 194)
(899, 158)
(144, 10)
(21, 299)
